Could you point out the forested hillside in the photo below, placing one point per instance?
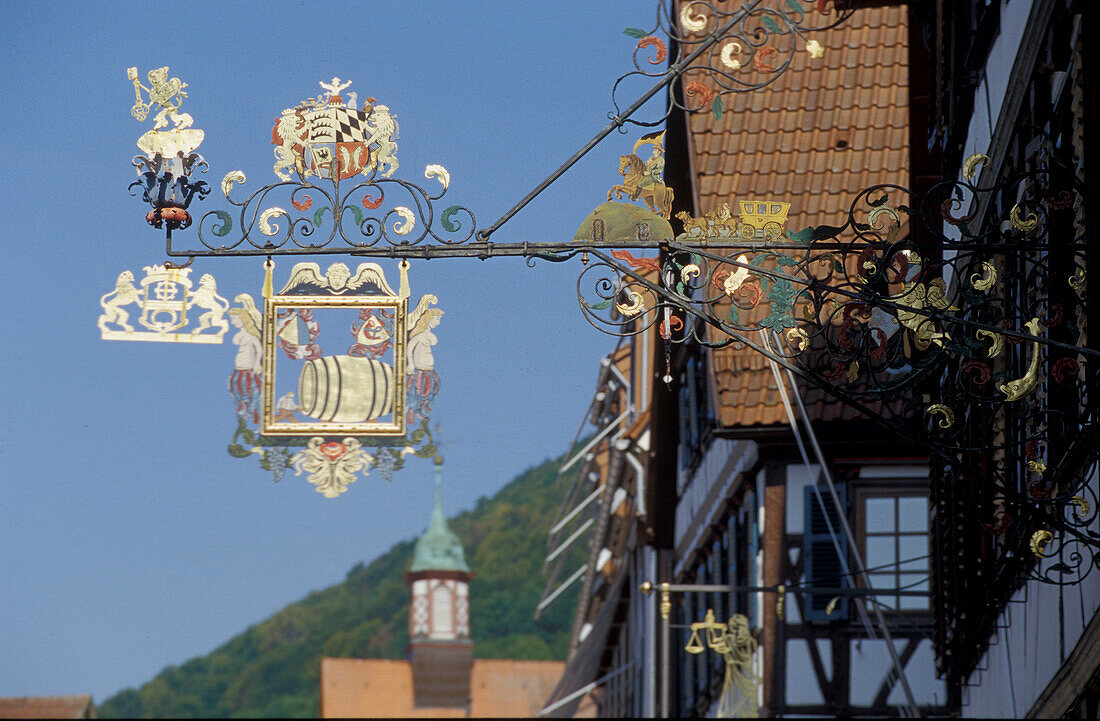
(272, 669)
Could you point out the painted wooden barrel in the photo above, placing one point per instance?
(345, 389)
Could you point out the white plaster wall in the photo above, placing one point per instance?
(1030, 646)
(723, 462)
(870, 663)
(802, 686)
(994, 83)
(799, 476)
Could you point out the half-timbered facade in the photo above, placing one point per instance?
(733, 495)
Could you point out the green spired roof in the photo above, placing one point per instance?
(439, 548)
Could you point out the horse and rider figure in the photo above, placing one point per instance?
(644, 180)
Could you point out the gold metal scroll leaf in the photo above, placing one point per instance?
(1082, 509)
(1037, 467)
(997, 340)
(689, 271)
(984, 281)
(1039, 540)
(816, 50)
(1077, 280)
(732, 282)
(936, 295)
(233, 176)
(940, 409)
(438, 171)
(878, 212)
(266, 226)
(798, 338)
(728, 51)
(692, 23)
(970, 167)
(406, 227)
(1019, 223)
(636, 305)
(1017, 389)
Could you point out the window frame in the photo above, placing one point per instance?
(894, 489)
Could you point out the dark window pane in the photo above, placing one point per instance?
(913, 514)
(880, 515)
(913, 547)
(880, 553)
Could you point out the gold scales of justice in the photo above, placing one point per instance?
(734, 642)
(309, 395)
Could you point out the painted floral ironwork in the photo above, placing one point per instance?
(716, 50)
(969, 341)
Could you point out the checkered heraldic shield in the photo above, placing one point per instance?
(338, 125)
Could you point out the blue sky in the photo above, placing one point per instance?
(129, 538)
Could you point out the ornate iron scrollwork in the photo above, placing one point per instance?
(718, 50)
(308, 217)
(968, 341)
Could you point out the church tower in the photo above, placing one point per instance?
(440, 648)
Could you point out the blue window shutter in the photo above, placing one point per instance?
(821, 567)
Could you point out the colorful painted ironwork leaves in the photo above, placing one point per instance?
(343, 382)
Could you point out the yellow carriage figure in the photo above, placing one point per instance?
(766, 217)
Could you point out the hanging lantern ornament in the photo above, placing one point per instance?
(168, 155)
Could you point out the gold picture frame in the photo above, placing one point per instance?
(342, 394)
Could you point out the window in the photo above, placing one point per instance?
(442, 612)
(895, 546)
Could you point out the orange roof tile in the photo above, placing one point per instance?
(819, 134)
(378, 688)
(47, 707)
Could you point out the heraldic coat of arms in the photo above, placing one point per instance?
(330, 137)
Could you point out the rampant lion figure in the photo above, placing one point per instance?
(288, 136)
(657, 196)
(124, 294)
(383, 127)
(207, 297)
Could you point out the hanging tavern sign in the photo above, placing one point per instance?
(336, 377)
(973, 327)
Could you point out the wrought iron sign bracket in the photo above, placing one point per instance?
(947, 342)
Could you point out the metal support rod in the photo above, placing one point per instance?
(666, 652)
(565, 251)
(484, 250)
(899, 667)
(810, 590)
(561, 589)
(585, 689)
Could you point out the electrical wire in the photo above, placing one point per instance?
(898, 668)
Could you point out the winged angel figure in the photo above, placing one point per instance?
(306, 279)
(332, 465)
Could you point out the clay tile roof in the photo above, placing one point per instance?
(821, 132)
(377, 688)
(47, 707)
